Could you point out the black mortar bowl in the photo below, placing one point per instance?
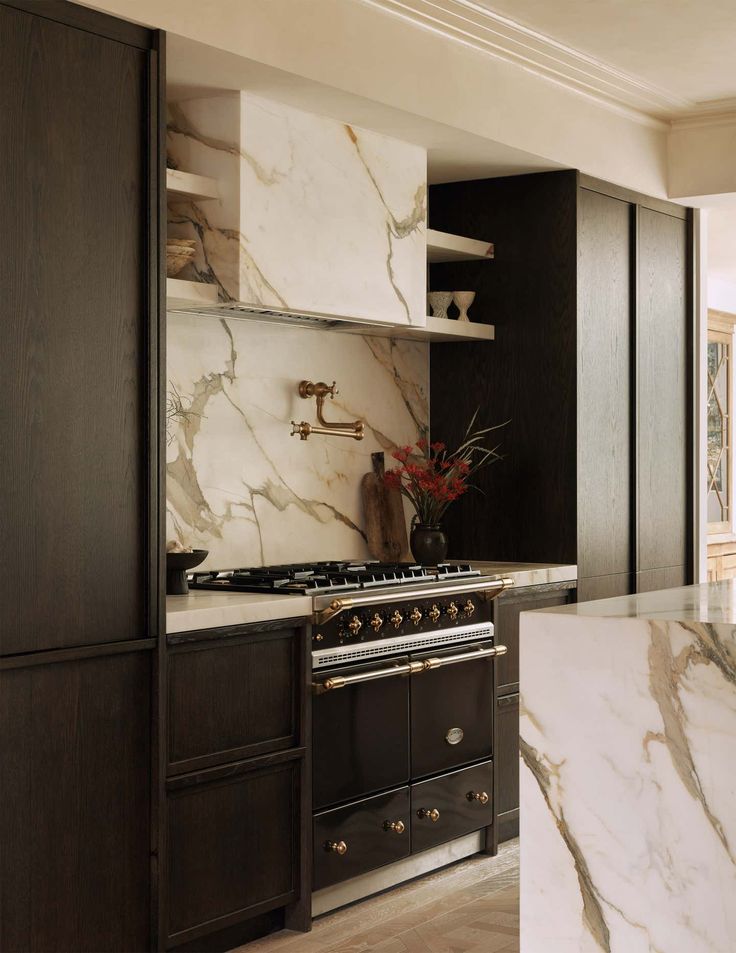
(177, 567)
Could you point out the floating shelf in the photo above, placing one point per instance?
(442, 246)
(182, 294)
(186, 185)
(445, 329)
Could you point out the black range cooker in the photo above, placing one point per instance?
(403, 700)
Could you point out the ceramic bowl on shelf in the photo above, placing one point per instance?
(463, 300)
(439, 302)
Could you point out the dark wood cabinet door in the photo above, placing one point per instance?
(604, 587)
(74, 203)
(75, 811)
(506, 611)
(232, 847)
(507, 766)
(604, 384)
(253, 709)
(663, 392)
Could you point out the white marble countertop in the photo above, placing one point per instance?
(206, 609)
(709, 602)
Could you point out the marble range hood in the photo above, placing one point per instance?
(319, 224)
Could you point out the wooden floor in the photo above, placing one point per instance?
(471, 907)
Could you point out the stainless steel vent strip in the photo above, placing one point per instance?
(400, 643)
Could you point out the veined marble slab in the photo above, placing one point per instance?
(315, 214)
(237, 483)
(527, 574)
(628, 774)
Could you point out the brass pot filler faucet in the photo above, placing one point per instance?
(320, 390)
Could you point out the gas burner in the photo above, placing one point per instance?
(324, 577)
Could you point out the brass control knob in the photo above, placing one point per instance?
(355, 625)
(376, 621)
(396, 618)
(433, 815)
(452, 610)
(318, 637)
(336, 847)
(468, 608)
(480, 796)
(434, 613)
(416, 615)
(398, 827)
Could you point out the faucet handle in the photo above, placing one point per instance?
(333, 391)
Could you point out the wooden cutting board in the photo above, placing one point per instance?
(383, 512)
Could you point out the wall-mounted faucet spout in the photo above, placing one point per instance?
(320, 390)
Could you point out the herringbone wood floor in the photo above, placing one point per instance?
(471, 907)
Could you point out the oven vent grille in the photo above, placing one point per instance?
(405, 643)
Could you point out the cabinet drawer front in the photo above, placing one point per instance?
(232, 849)
(452, 796)
(444, 700)
(363, 829)
(232, 701)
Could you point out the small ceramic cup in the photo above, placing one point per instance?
(439, 302)
(463, 300)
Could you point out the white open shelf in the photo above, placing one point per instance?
(182, 294)
(442, 246)
(436, 329)
(187, 185)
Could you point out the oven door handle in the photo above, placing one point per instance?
(441, 661)
(406, 668)
(340, 681)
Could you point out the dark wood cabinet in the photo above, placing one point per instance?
(237, 808)
(233, 846)
(590, 292)
(82, 282)
(222, 708)
(78, 152)
(75, 820)
(507, 766)
(507, 609)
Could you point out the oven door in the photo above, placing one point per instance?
(360, 731)
(452, 709)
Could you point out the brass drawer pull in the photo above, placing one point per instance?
(480, 796)
(336, 847)
(398, 827)
(433, 815)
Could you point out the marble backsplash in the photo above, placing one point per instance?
(237, 483)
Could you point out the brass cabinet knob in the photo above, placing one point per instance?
(355, 625)
(433, 815)
(480, 796)
(396, 618)
(376, 621)
(336, 847)
(319, 637)
(468, 608)
(398, 827)
(452, 610)
(416, 615)
(434, 613)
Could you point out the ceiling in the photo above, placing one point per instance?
(685, 48)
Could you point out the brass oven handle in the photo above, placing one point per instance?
(336, 847)
(496, 586)
(398, 827)
(433, 815)
(479, 796)
(340, 681)
(431, 663)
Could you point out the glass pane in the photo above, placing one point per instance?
(718, 411)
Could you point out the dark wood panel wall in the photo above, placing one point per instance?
(527, 375)
(591, 296)
(82, 285)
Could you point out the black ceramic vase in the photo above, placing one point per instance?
(428, 544)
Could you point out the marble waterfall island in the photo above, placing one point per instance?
(628, 774)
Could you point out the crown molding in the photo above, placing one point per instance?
(469, 23)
